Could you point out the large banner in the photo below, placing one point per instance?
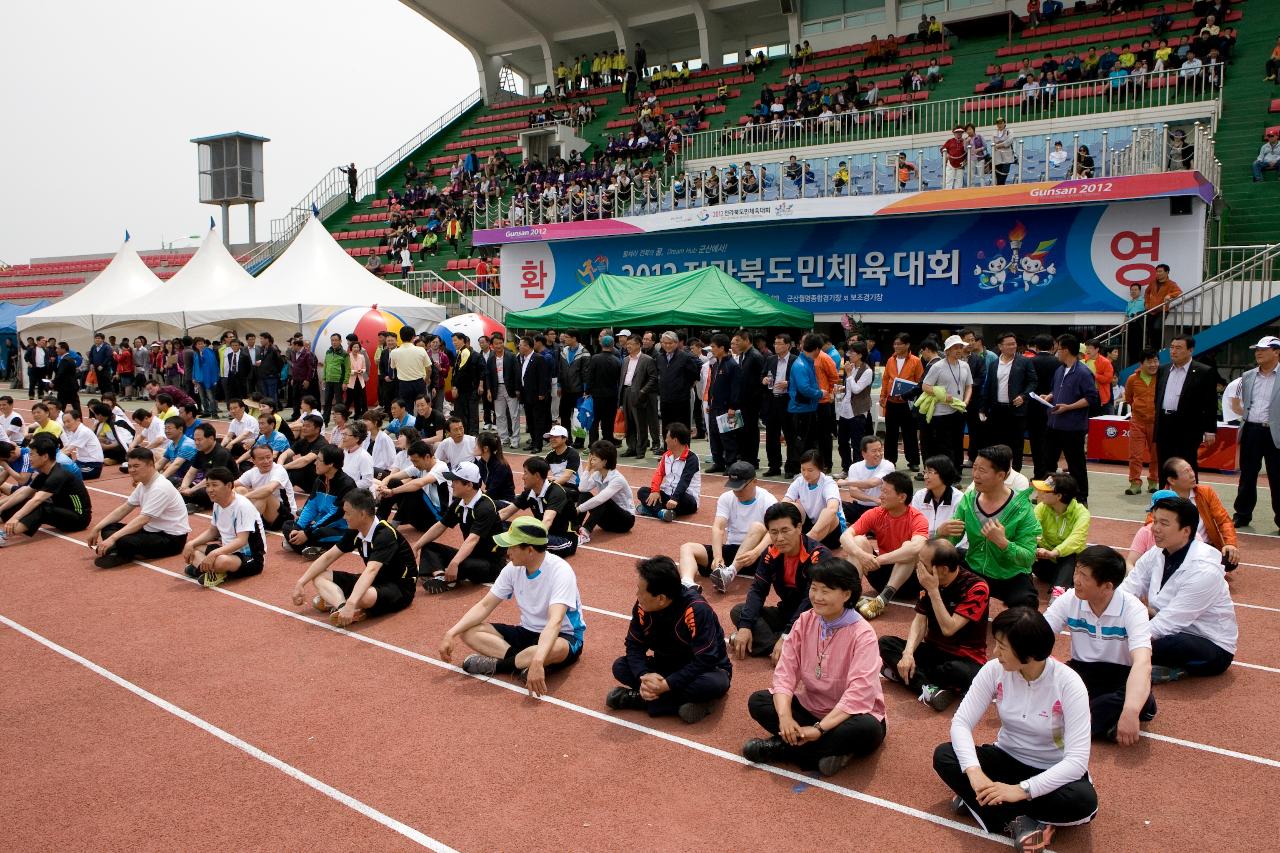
(1063, 260)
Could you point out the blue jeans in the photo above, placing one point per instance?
(1259, 166)
(270, 388)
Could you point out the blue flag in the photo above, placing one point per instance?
(126, 235)
(315, 210)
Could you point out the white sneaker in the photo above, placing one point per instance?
(4, 539)
(722, 577)
(583, 537)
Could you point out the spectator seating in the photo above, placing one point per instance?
(1013, 66)
(1116, 36)
(1275, 106)
(1088, 20)
(523, 114)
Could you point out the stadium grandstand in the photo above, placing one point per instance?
(969, 313)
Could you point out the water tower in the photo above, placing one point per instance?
(231, 173)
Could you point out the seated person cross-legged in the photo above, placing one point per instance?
(676, 481)
(818, 496)
(1182, 583)
(947, 642)
(1064, 531)
(785, 568)
(548, 502)
(416, 491)
(320, 525)
(54, 496)
(1035, 777)
(888, 561)
(826, 704)
(388, 580)
(1110, 644)
(160, 528)
(479, 558)
(676, 661)
(266, 484)
(738, 536)
(551, 629)
(235, 544)
(604, 496)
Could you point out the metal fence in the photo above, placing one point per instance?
(1147, 91)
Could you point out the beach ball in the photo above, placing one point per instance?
(365, 323)
(472, 325)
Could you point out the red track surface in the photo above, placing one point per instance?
(374, 714)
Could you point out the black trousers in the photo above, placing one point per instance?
(410, 509)
(676, 411)
(687, 505)
(606, 409)
(568, 404)
(824, 430)
(466, 406)
(1178, 436)
(1068, 443)
(1060, 572)
(859, 735)
(386, 393)
(849, 433)
(1106, 684)
(435, 557)
(1257, 447)
(56, 517)
(724, 445)
(947, 437)
(1017, 591)
(608, 517)
(145, 543)
(899, 418)
(1037, 426)
(1006, 425)
(333, 393)
(749, 435)
(1073, 803)
(932, 666)
(779, 426)
(1196, 655)
(707, 687)
(765, 631)
(977, 432)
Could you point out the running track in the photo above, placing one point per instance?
(177, 716)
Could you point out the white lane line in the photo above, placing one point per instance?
(849, 793)
(1216, 750)
(270, 760)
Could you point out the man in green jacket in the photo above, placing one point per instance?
(1001, 527)
(337, 366)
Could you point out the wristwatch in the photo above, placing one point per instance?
(1025, 785)
(821, 730)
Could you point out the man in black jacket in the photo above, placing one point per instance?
(66, 381)
(572, 361)
(677, 373)
(239, 366)
(602, 380)
(1046, 365)
(751, 364)
(1186, 404)
(639, 397)
(534, 390)
(675, 661)
(467, 376)
(779, 423)
(724, 395)
(1006, 397)
(501, 387)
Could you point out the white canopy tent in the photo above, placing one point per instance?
(306, 285)
(75, 318)
(206, 279)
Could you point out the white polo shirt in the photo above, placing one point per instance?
(85, 442)
(254, 479)
(813, 499)
(861, 471)
(742, 514)
(1109, 638)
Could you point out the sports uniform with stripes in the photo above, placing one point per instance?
(242, 517)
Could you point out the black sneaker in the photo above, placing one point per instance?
(110, 560)
(311, 552)
(480, 665)
(1166, 674)
(625, 699)
(772, 472)
(830, 765)
(192, 572)
(761, 750)
(695, 712)
(1029, 834)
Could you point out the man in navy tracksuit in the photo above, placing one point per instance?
(676, 661)
(723, 398)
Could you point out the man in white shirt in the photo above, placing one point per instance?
(82, 445)
(159, 529)
(237, 529)
(1181, 580)
(12, 428)
(267, 486)
(818, 497)
(149, 434)
(738, 535)
(1259, 407)
(457, 447)
(551, 628)
(243, 428)
(866, 478)
(1110, 644)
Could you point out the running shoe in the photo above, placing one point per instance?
(695, 712)
(480, 665)
(625, 699)
(937, 698)
(870, 606)
(667, 515)
(890, 673)
(110, 560)
(436, 584)
(1029, 835)
(584, 537)
(830, 765)
(318, 603)
(192, 572)
(213, 579)
(1166, 674)
(722, 577)
(4, 539)
(312, 551)
(760, 750)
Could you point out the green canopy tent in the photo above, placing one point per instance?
(703, 297)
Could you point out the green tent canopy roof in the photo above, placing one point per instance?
(702, 297)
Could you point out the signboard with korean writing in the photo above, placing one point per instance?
(1076, 259)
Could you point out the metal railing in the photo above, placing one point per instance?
(333, 190)
(844, 175)
(466, 294)
(1237, 278)
(1151, 90)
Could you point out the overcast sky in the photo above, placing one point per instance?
(98, 102)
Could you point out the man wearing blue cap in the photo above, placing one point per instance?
(551, 628)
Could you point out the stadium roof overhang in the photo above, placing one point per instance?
(531, 37)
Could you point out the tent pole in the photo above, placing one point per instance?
(300, 319)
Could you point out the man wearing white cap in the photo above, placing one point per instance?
(1260, 432)
(478, 558)
(950, 382)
